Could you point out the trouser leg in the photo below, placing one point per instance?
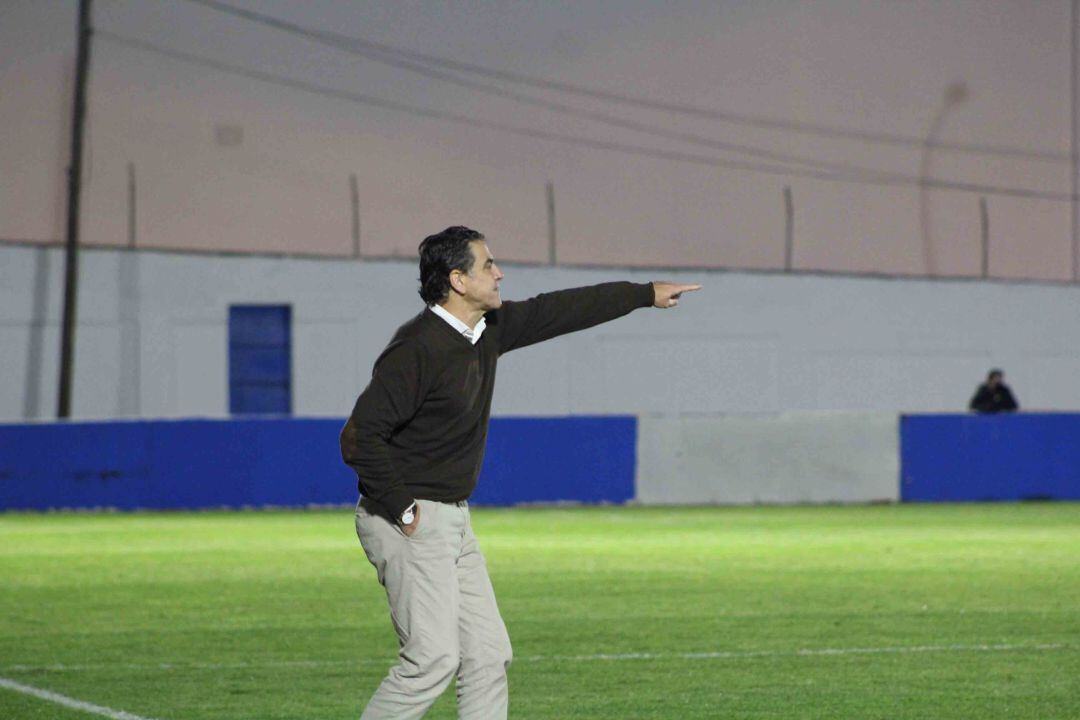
(421, 582)
(482, 691)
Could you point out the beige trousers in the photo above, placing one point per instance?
(444, 611)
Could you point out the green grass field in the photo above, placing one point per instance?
(811, 612)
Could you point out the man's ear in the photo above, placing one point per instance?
(456, 283)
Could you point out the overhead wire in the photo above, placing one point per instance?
(884, 179)
(332, 40)
(385, 52)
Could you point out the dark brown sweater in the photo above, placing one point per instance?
(419, 428)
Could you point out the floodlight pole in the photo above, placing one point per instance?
(71, 264)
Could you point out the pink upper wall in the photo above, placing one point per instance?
(880, 68)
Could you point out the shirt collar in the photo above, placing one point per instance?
(471, 334)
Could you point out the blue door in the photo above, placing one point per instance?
(260, 366)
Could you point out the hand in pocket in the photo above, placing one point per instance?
(411, 527)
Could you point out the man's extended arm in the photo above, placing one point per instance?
(390, 399)
(557, 313)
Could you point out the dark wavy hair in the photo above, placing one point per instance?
(439, 255)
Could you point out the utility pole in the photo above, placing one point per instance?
(71, 267)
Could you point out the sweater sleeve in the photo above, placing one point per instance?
(557, 313)
(391, 398)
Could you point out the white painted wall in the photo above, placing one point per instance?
(774, 458)
(152, 339)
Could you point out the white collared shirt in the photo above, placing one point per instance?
(472, 334)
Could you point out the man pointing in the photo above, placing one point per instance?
(416, 441)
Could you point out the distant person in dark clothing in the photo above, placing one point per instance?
(994, 396)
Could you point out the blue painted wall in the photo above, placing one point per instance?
(583, 459)
(289, 461)
(1025, 456)
(295, 461)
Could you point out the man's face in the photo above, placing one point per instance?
(482, 281)
(994, 380)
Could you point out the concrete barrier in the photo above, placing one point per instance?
(774, 458)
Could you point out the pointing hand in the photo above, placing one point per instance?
(667, 294)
